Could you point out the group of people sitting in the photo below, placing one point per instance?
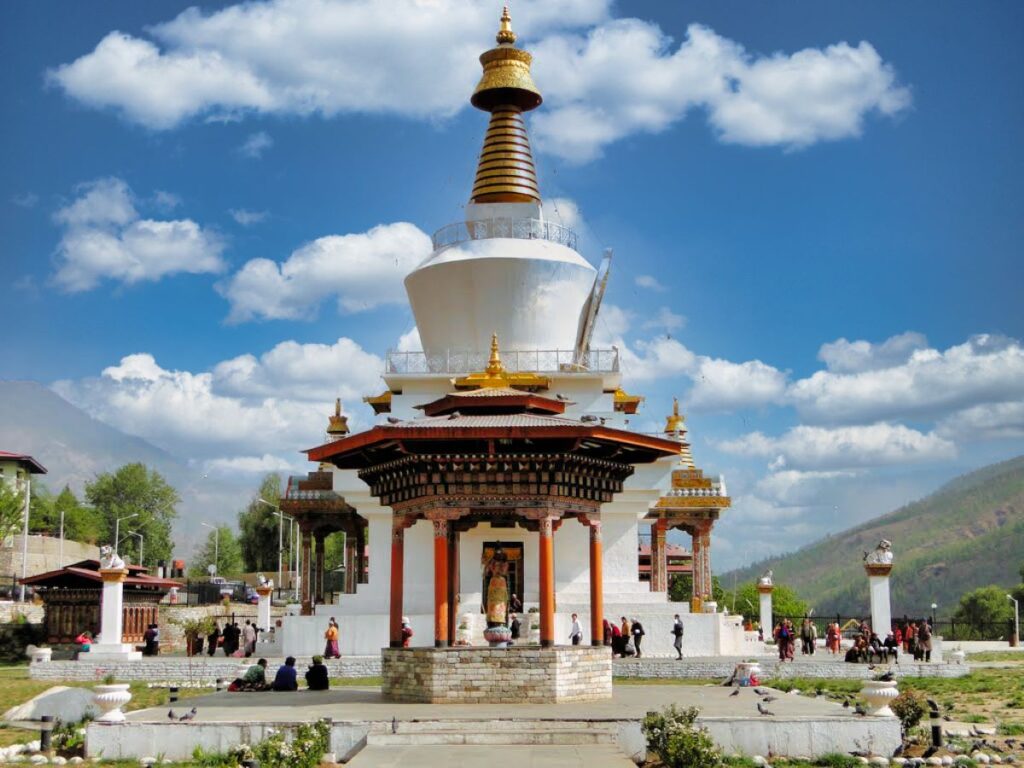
(915, 639)
(286, 679)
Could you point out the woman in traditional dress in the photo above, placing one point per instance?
(331, 650)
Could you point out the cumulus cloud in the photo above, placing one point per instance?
(242, 410)
(603, 78)
(930, 383)
(562, 210)
(820, 448)
(666, 319)
(247, 218)
(25, 200)
(993, 421)
(255, 145)
(362, 271)
(257, 465)
(624, 77)
(410, 341)
(843, 356)
(105, 238)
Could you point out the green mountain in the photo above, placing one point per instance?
(968, 534)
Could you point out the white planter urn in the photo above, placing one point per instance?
(40, 655)
(879, 695)
(958, 656)
(462, 635)
(110, 698)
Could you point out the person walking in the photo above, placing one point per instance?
(213, 639)
(617, 640)
(406, 632)
(607, 632)
(638, 634)
(924, 640)
(575, 632)
(832, 638)
(677, 630)
(808, 637)
(248, 639)
(331, 650)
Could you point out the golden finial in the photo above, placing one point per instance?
(675, 422)
(505, 34)
(337, 425)
(494, 365)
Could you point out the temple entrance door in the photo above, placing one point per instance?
(516, 579)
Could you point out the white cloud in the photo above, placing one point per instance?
(611, 325)
(656, 358)
(666, 319)
(247, 218)
(985, 422)
(25, 200)
(624, 77)
(562, 210)
(256, 144)
(104, 238)
(603, 79)
(166, 201)
(362, 270)
(244, 408)
(260, 465)
(790, 487)
(650, 282)
(724, 385)
(410, 341)
(984, 369)
(819, 448)
(843, 356)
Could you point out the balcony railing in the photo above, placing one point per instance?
(532, 361)
(519, 229)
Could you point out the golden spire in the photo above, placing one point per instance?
(494, 366)
(337, 425)
(675, 422)
(505, 34)
(505, 173)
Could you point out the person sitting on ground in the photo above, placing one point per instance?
(254, 679)
(316, 675)
(84, 641)
(285, 679)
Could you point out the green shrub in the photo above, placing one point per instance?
(1011, 729)
(17, 636)
(910, 707)
(838, 760)
(678, 743)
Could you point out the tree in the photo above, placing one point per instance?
(680, 588)
(135, 490)
(12, 510)
(80, 522)
(221, 548)
(983, 607)
(785, 601)
(258, 527)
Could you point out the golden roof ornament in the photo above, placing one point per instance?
(676, 422)
(494, 366)
(337, 424)
(505, 172)
(495, 375)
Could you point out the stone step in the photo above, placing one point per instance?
(498, 726)
(470, 735)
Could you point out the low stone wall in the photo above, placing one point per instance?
(521, 674)
(11, 611)
(772, 668)
(195, 671)
(171, 636)
(44, 554)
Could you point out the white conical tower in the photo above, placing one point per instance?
(504, 268)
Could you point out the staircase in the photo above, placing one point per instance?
(495, 733)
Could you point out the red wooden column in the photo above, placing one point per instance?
(596, 585)
(397, 575)
(440, 583)
(659, 566)
(306, 596)
(547, 583)
(453, 582)
(318, 590)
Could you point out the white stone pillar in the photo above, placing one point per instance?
(878, 582)
(765, 593)
(110, 646)
(263, 607)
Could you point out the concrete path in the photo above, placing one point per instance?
(487, 757)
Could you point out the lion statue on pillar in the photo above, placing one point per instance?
(109, 558)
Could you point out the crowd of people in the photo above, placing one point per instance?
(914, 638)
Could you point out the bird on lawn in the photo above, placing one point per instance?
(735, 693)
(763, 709)
(859, 710)
(188, 715)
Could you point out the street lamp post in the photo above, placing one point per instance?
(280, 538)
(1016, 620)
(24, 534)
(140, 537)
(60, 556)
(117, 528)
(216, 545)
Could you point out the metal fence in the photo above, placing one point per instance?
(518, 229)
(529, 360)
(947, 629)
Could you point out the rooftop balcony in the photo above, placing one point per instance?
(519, 229)
(543, 361)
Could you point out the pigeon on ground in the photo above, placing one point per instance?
(947, 718)
(846, 703)
(735, 693)
(188, 715)
(761, 691)
(887, 677)
(859, 710)
(171, 715)
(768, 699)
(763, 709)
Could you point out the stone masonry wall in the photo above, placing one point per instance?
(497, 675)
(176, 670)
(772, 668)
(171, 636)
(43, 555)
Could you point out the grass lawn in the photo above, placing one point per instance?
(1010, 656)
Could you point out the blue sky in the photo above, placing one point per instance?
(789, 179)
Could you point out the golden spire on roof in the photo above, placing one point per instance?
(494, 366)
(505, 173)
(337, 425)
(505, 34)
(495, 375)
(676, 422)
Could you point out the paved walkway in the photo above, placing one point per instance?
(481, 757)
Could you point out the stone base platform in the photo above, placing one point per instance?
(520, 674)
(800, 726)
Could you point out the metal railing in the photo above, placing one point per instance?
(532, 361)
(518, 229)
